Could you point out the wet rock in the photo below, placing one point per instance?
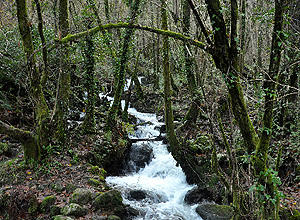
(81, 196)
(132, 211)
(140, 155)
(74, 210)
(215, 212)
(110, 201)
(137, 194)
(47, 203)
(197, 195)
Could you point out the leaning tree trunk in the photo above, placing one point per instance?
(32, 149)
(173, 142)
(226, 59)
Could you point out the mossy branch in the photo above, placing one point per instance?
(175, 35)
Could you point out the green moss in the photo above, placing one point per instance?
(94, 182)
(47, 203)
(4, 148)
(97, 171)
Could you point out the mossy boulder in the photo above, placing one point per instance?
(55, 210)
(215, 212)
(94, 182)
(74, 210)
(47, 203)
(110, 201)
(81, 196)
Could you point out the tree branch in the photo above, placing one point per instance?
(72, 37)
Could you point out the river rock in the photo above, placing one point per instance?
(140, 155)
(137, 194)
(74, 210)
(81, 196)
(215, 212)
(197, 195)
(47, 203)
(110, 201)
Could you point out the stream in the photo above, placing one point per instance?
(161, 183)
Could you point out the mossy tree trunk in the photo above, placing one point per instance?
(90, 86)
(64, 75)
(32, 149)
(270, 207)
(120, 68)
(225, 55)
(173, 142)
(45, 74)
(193, 111)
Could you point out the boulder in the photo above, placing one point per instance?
(137, 194)
(47, 203)
(55, 210)
(81, 196)
(140, 155)
(215, 212)
(197, 195)
(110, 201)
(74, 210)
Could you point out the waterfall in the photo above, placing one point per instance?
(161, 181)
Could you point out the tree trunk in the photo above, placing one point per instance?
(173, 142)
(31, 149)
(226, 59)
(64, 76)
(270, 209)
(120, 71)
(193, 111)
(90, 86)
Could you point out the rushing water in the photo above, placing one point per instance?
(163, 182)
